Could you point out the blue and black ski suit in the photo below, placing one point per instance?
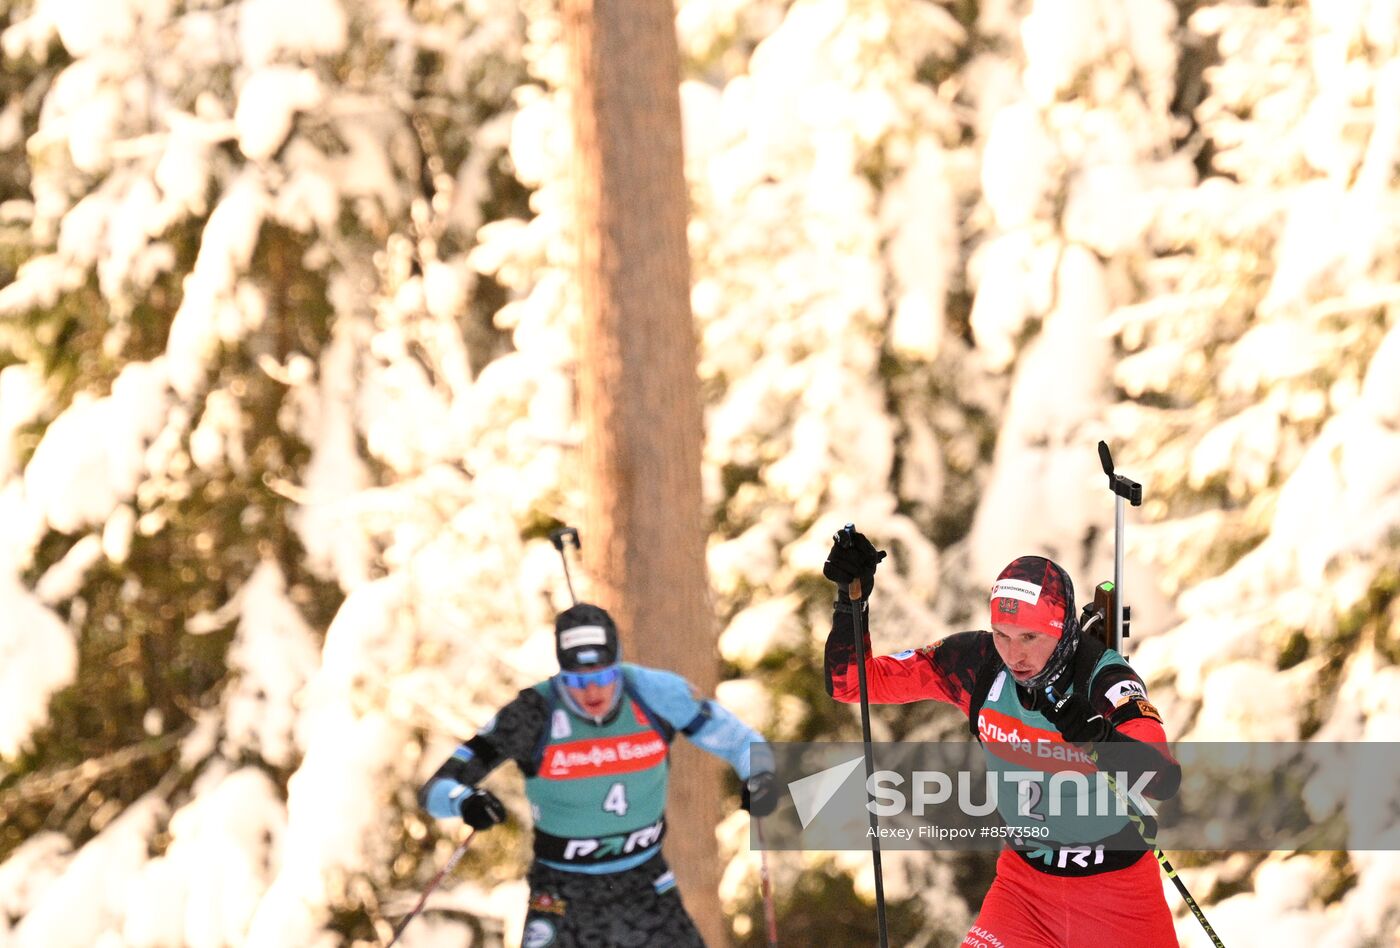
(597, 793)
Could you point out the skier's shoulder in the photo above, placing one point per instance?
(1114, 683)
(659, 685)
(669, 695)
(1109, 666)
(515, 729)
(961, 651)
(530, 704)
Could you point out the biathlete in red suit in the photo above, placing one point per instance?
(1103, 890)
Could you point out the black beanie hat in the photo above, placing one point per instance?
(585, 637)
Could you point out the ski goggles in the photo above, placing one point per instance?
(602, 677)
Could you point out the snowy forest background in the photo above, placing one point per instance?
(287, 410)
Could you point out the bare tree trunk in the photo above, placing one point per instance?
(639, 394)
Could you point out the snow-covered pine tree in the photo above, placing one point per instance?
(244, 393)
(1259, 383)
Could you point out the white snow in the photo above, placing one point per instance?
(269, 29)
(30, 868)
(1001, 273)
(83, 905)
(332, 812)
(40, 282)
(750, 559)
(273, 655)
(63, 579)
(182, 174)
(923, 250)
(91, 456)
(1272, 715)
(1018, 165)
(87, 26)
(22, 398)
(1043, 487)
(760, 629)
(204, 889)
(267, 106)
(225, 250)
(335, 545)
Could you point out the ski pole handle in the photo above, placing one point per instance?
(563, 534)
(559, 538)
(846, 538)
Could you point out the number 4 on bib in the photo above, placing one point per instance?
(616, 800)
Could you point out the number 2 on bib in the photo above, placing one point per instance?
(616, 800)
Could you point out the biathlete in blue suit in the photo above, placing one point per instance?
(593, 743)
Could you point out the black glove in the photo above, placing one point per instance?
(852, 558)
(1076, 720)
(760, 794)
(481, 810)
(1070, 711)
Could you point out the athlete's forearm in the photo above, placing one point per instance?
(1137, 758)
(469, 764)
(511, 735)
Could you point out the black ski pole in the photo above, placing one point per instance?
(1131, 491)
(456, 857)
(1149, 836)
(846, 538)
(559, 538)
(1186, 896)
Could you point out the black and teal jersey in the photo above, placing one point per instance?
(1065, 798)
(597, 790)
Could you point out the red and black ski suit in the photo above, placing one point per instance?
(1117, 901)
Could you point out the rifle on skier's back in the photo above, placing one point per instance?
(1107, 618)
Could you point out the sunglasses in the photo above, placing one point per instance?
(601, 677)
